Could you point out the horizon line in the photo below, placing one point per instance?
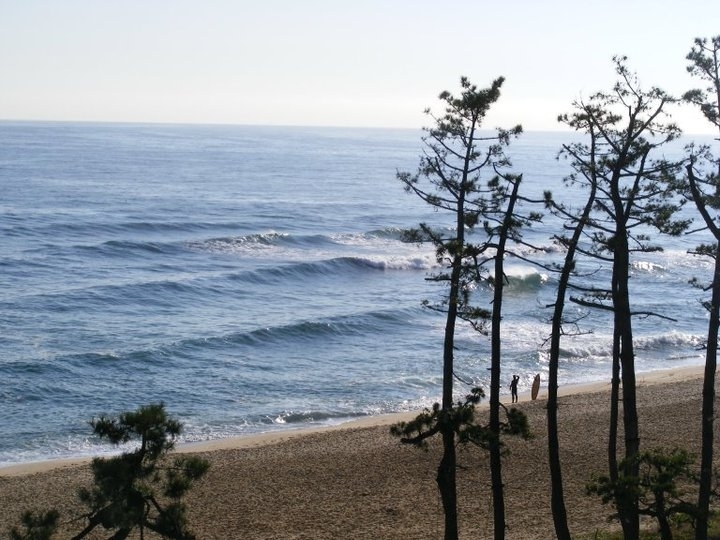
(232, 124)
(713, 135)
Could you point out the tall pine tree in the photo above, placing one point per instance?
(703, 186)
(463, 172)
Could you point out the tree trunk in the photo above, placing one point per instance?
(614, 409)
(708, 406)
(557, 499)
(446, 477)
(495, 451)
(495, 357)
(662, 518)
(628, 504)
(446, 481)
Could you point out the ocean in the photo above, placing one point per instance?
(255, 279)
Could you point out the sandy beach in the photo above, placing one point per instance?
(355, 481)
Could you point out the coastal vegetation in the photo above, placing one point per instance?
(631, 193)
(703, 185)
(36, 525)
(632, 190)
(452, 177)
(139, 490)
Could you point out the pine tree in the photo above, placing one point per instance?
(463, 172)
(141, 489)
(624, 129)
(579, 156)
(703, 186)
(37, 526)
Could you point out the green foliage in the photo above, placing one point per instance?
(634, 192)
(706, 250)
(463, 172)
(658, 486)
(702, 183)
(625, 127)
(703, 59)
(460, 171)
(460, 419)
(38, 526)
(680, 531)
(130, 490)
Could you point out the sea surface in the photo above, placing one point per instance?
(255, 279)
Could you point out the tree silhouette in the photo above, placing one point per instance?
(38, 526)
(634, 194)
(655, 486)
(140, 489)
(576, 223)
(703, 185)
(462, 172)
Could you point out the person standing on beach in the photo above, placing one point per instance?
(513, 388)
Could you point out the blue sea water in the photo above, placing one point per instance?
(254, 278)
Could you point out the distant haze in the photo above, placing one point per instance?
(334, 63)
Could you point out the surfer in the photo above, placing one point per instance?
(513, 388)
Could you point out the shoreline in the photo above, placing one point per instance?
(355, 480)
(266, 438)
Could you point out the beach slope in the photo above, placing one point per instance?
(358, 482)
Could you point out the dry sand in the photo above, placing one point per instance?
(357, 482)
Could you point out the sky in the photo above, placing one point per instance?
(367, 63)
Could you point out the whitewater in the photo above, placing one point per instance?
(255, 279)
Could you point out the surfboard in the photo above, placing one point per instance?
(535, 387)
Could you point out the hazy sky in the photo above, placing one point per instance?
(332, 62)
